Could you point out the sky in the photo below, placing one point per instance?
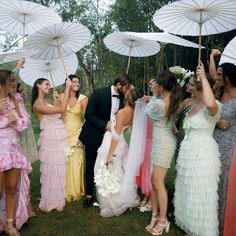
(104, 4)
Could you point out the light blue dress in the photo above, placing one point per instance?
(163, 139)
(198, 170)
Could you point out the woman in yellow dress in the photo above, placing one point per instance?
(73, 121)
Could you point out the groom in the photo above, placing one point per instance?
(102, 104)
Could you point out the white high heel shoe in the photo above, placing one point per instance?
(162, 226)
(153, 222)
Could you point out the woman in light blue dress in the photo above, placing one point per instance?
(163, 113)
(198, 165)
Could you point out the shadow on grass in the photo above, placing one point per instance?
(74, 220)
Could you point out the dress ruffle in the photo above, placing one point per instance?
(53, 142)
(196, 197)
(14, 160)
(198, 169)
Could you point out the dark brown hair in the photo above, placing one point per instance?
(169, 82)
(123, 79)
(35, 90)
(71, 78)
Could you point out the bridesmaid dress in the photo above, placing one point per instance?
(28, 144)
(73, 121)
(144, 177)
(52, 142)
(226, 140)
(198, 170)
(11, 156)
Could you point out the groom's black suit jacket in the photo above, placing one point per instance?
(96, 117)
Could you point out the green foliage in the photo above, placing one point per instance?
(99, 66)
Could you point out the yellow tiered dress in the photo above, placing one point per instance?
(73, 120)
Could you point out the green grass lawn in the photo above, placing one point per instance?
(74, 220)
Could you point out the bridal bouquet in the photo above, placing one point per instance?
(107, 182)
(181, 74)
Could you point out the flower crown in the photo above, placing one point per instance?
(181, 74)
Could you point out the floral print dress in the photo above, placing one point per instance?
(11, 156)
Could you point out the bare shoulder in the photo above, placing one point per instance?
(38, 103)
(126, 115)
(120, 113)
(83, 99)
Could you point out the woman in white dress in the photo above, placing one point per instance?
(109, 168)
(198, 165)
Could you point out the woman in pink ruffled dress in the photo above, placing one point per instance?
(144, 177)
(53, 142)
(14, 167)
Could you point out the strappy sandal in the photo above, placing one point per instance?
(153, 222)
(160, 227)
(11, 231)
(143, 203)
(147, 207)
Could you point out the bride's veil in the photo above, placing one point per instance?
(135, 153)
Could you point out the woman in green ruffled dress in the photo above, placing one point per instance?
(184, 108)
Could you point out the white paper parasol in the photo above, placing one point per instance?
(24, 17)
(229, 53)
(58, 41)
(129, 45)
(15, 55)
(49, 69)
(197, 17)
(165, 38)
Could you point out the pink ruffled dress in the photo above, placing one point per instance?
(11, 156)
(143, 179)
(53, 142)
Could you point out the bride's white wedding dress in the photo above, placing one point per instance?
(112, 203)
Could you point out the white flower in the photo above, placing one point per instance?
(107, 182)
(175, 69)
(68, 151)
(181, 74)
(188, 74)
(182, 82)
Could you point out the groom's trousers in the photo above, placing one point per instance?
(90, 157)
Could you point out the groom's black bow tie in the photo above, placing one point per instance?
(116, 96)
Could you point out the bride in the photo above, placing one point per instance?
(110, 166)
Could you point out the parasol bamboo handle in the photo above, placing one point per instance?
(200, 39)
(63, 62)
(200, 42)
(23, 42)
(127, 70)
(161, 58)
(53, 85)
(64, 66)
(130, 50)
